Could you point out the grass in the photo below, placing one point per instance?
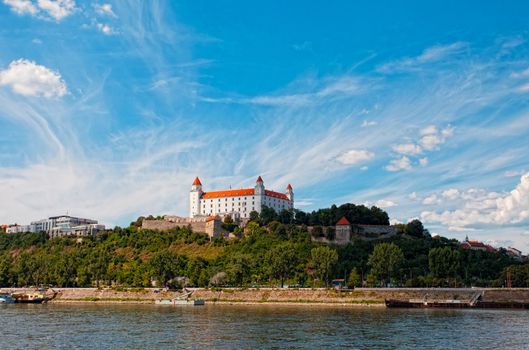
(299, 301)
(194, 250)
(106, 299)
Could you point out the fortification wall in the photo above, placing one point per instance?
(163, 225)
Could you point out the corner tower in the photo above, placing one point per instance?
(194, 198)
(259, 194)
(290, 194)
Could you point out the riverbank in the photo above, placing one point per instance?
(373, 297)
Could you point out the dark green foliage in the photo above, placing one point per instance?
(385, 261)
(167, 265)
(519, 275)
(267, 215)
(323, 261)
(281, 261)
(273, 254)
(415, 229)
(356, 214)
(444, 262)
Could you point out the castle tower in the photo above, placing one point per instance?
(259, 194)
(194, 198)
(290, 193)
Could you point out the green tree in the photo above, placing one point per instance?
(385, 260)
(286, 216)
(254, 216)
(239, 268)
(323, 260)
(444, 262)
(354, 279)
(415, 228)
(267, 215)
(281, 261)
(167, 265)
(5, 267)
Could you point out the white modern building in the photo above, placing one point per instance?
(237, 203)
(18, 228)
(63, 225)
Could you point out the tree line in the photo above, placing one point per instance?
(263, 255)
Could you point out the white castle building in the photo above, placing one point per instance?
(237, 203)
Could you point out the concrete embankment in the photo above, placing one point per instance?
(319, 296)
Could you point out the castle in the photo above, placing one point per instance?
(237, 203)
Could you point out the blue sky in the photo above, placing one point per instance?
(110, 109)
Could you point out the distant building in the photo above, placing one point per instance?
(63, 225)
(237, 203)
(477, 245)
(3, 228)
(344, 232)
(18, 228)
(211, 225)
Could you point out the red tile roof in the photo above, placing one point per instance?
(229, 193)
(242, 192)
(197, 181)
(276, 195)
(259, 179)
(289, 187)
(343, 221)
(477, 244)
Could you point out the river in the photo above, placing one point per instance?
(104, 326)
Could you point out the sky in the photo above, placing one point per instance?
(109, 109)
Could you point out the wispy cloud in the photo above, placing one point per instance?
(430, 55)
(354, 156)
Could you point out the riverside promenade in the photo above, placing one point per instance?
(313, 296)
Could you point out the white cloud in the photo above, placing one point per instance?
(515, 206)
(55, 9)
(432, 138)
(407, 148)
(481, 207)
(451, 194)
(403, 163)
(367, 123)
(412, 196)
(354, 156)
(105, 28)
(429, 130)
(523, 88)
(431, 200)
(30, 79)
(461, 229)
(514, 173)
(385, 203)
(22, 7)
(104, 10)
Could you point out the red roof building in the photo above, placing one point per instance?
(343, 221)
(238, 203)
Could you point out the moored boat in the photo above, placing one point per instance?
(6, 298)
(29, 298)
(180, 301)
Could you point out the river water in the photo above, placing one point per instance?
(56, 326)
